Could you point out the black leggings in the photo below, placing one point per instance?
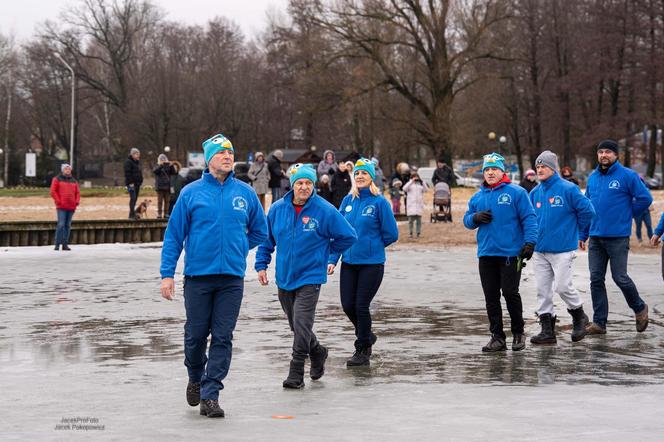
(359, 284)
(499, 274)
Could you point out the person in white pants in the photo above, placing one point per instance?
(563, 214)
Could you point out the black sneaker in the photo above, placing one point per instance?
(193, 393)
(211, 408)
(57, 248)
(495, 344)
(518, 342)
(66, 247)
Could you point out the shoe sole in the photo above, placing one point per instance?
(547, 342)
(368, 363)
(293, 387)
(518, 348)
(486, 350)
(194, 404)
(204, 413)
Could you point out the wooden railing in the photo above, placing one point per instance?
(40, 233)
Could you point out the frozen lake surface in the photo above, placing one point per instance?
(86, 336)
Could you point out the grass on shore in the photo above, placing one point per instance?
(18, 192)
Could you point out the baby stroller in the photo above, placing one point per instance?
(442, 203)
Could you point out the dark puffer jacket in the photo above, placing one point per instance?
(162, 176)
(132, 171)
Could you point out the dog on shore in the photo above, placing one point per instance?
(142, 209)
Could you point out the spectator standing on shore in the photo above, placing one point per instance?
(328, 165)
(340, 184)
(162, 184)
(177, 183)
(414, 190)
(133, 179)
(67, 196)
(259, 175)
(276, 175)
(529, 181)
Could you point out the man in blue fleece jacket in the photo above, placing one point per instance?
(561, 211)
(618, 195)
(217, 220)
(656, 238)
(506, 235)
(304, 228)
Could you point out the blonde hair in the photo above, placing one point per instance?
(356, 192)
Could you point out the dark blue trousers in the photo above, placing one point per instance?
(359, 284)
(213, 304)
(63, 227)
(601, 252)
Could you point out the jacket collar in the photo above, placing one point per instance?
(614, 167)
(209, 178)
(553, 179)
(288, 198)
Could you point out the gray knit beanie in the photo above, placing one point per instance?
(548, 159)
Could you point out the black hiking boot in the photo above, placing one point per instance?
(496, 343)
(295, 377)
(518, 342)
(211, 408)
(547, 335)
(65, 247)
(57, 248)
(360, 357)
(579, 323)
(317, 358)
(193, 393)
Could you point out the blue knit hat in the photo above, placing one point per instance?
(214, 145)
(366, 165)
(299, 171)
(494, 160)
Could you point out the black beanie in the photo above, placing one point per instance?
(608, 144)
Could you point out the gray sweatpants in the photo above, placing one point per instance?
(553, 273)
(300, 308)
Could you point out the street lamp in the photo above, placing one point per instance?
(73, 91)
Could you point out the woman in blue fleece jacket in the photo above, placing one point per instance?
(304, 228)
(506, 235)
(362, 265)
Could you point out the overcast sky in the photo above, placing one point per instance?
(22, 17)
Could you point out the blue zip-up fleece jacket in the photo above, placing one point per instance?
(514, 222)
(659, 230)
(374, 223)
(218, 225)
(617, 196)
(563, 214)
(303, 242)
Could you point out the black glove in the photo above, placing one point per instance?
(483, 217)
(527, 251)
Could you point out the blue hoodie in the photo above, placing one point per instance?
(373, 220)
(659, 230)
(617, 196)
(217, 223)
(303, 241)
(563, 212)
(514, 222)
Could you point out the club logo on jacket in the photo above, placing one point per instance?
(538, 204)
(505, 198)
(556, 201)
(310, 224)
(239, 203)
(615, 184)
(370, 210)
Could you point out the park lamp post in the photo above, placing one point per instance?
(73, 91)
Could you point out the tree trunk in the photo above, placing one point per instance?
(652, 151)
